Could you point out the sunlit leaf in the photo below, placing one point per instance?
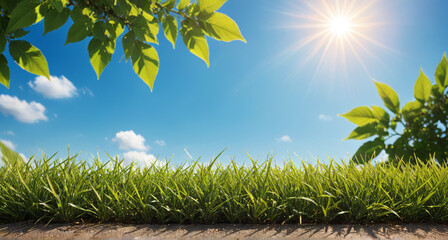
(145, 62)
(360, 116)
(100, 53)
(221, 27)
(389, 96)
(442, 74)
(195, 40)
(170, 28)
(4, 71)
(363, 132)
(381, 114)
(145, 27)
(210, 6)
(29, 58)
(422, 88)
(183, 4)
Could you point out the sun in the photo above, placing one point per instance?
(340, 25)
(336, 32)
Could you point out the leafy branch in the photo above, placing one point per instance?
(424, 122)
(103, 21)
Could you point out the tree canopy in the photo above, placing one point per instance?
(103, 21)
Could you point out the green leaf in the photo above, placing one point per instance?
(114, 29)
(145, 27)
(442, 74)
(83, 14)
(8, 5)
(59, 5)
(368, 151)
(2, 43)
(54, 19)
(145, 62)
(193, 10)
(169, 4)
(99, 31)
(25, 14)
(100, 53)
(389, 96)
(422, 88)
(4, 71)
(410, 109)
(170, 28)
(9, 156)
(29, 58)
(195, 40)
(381, 114)
(183, 4)
(360, 116)
(363, 132)
(221, 27)
(210, 6)
(19, 33)
(128, 42)
(78, 31)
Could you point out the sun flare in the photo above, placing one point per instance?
(338, 32)
(340, 25)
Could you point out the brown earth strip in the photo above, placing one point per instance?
(223, 231)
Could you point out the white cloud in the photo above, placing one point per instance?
(324, 117)
(9, 133)
(21, 110)
(128, 140)
(141, 158)
(160, 142)
(58, 87)
(8, 144)
(285, 139)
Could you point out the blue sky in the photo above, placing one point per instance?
(260, 97)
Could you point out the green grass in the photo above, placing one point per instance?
(69, 190)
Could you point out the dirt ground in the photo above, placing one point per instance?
(223, 231)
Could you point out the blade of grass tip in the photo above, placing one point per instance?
(254, 163)
(216, 158)
(52, 156)
(110, 157)
(188, 154)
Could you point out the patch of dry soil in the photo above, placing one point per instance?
(223, 231)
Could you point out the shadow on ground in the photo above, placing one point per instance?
(27, 230)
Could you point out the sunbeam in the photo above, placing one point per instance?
(337, 33)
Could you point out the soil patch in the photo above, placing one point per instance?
(27, 230)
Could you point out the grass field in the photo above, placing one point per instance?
(49, 190)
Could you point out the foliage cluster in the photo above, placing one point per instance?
(103, 21)
(50, 190)
(424, 122)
